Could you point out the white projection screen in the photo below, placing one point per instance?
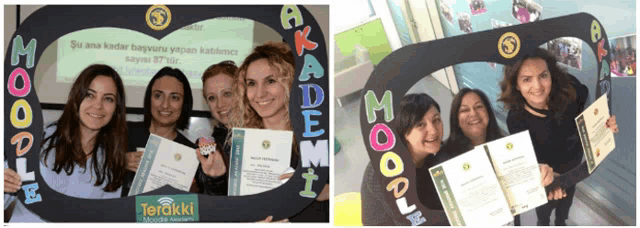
(137, 57)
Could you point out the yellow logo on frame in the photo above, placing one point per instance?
(509, 45)
(158, 17)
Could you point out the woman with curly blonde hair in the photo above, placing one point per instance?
(264, 83)
(263, 104)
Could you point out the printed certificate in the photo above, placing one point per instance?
(164, 162)
(515, 164)
(258, 158)
(470, 192)
(597, 139)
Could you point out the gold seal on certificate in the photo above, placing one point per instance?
(258, 158)
(597, 140)
(164, 162)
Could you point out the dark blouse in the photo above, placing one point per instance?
(138, 137)
(217, 186)
(556, 141)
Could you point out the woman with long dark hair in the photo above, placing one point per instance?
(545, 100)
(83, 153)
(168, 102)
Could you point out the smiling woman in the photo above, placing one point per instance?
(263, 89)
(95, 112)
(419, 126)
(168, 102)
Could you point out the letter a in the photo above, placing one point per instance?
(285, 16)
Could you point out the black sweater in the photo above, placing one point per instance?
(555, 141)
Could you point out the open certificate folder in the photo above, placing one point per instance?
(258, 158)
(597, 139)
(491, 183)
(164, 162)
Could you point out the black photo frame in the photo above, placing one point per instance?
(309, 110)
(400, 70)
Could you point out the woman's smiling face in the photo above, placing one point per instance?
(534, 82)
(219, 96)
(167, 97)
(426, 136)
(473, 117)
(266, 95)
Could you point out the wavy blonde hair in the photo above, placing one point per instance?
(280, 58)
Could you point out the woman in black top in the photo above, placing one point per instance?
(168, 102)
(545, 100)
(473, 123)
(217, 90)
(420, 125)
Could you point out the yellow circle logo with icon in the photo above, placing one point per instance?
(509, 146)
(266, 144)
(158, 17)
(466, 166)
(509, 45)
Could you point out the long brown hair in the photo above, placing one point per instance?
(112, 138)
(562, 92)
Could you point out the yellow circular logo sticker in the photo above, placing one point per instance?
(266, 144)
(466, 166)
(509, 45)
(509, 146)
(158, 17)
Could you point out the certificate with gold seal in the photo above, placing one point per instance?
(258, 158)
(470, 192)
(164, 162)
(491, 183)
(597, 140)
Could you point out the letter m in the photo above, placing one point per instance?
(372, 105)
(19, 49)
(317, 155)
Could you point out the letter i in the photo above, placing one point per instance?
(310, 177)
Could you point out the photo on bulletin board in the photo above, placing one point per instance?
(568, 51)
(464, 20)
(526, 11)
(477, 6)
(446, 11)
(499, 24)
(623, 58)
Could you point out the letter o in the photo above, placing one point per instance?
(373, 137)
(28, 114)
(393, 157)
(11, 84)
